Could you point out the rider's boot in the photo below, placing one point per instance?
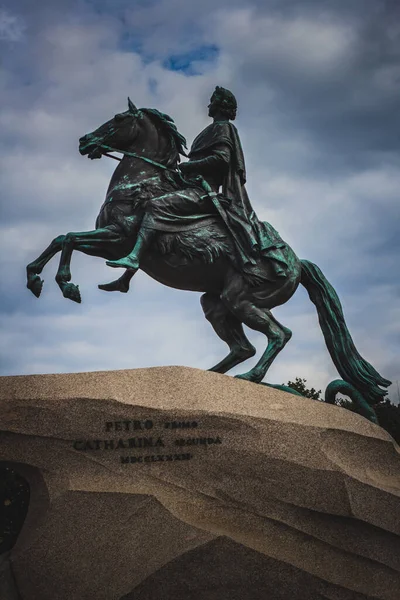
(119, 285)
(132, 260)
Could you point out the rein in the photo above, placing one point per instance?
(200, 181)
(134, 155)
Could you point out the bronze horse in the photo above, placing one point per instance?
(198, 256)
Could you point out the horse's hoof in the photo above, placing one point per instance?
(72, 292)
(35, 284)
(249, 376)
(245, 376)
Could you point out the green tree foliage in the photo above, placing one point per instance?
(388, 414)
(300, 386)
(389, 418)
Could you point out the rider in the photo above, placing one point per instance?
(217, 156)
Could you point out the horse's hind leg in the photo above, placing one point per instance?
(34, 283)
(278, 336)
(230, 330)
(259, 319)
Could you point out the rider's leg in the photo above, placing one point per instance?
(143, 241)
(119, 285)
(172, 207)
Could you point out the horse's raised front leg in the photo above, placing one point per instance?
(34, 283)
(90, 242)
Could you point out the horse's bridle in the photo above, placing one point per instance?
(199, 180)
(125, 153)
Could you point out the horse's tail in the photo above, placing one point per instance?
(351, 366)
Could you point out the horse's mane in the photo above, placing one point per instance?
(176, 139)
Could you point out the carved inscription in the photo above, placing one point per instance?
(140, 442)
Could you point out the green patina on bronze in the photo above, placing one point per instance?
(338, 386)
(192, 227)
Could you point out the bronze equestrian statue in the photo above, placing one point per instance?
(176, 226)
(217, 156)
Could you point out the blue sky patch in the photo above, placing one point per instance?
(184, 62)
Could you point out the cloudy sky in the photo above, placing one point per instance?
(317, 83)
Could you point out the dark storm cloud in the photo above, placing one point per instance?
(341, 88)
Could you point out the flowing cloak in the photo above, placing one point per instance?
(252, 237)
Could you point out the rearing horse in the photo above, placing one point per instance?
(197, 255)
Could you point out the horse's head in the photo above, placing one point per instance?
(154, 132)
(118, 133)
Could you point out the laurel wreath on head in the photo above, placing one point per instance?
(226, 101)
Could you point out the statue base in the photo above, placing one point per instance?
(177, 483)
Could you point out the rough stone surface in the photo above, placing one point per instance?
(299, 501)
